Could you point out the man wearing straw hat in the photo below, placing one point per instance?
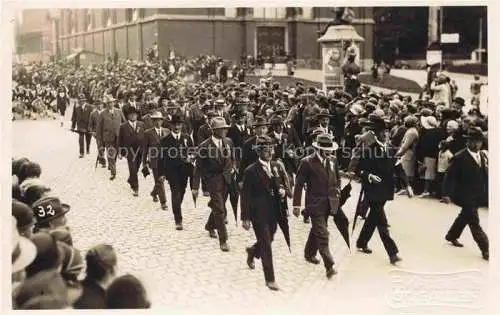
(152, 156)
(320, 172)
(265, 188)
(215, 163)
(108, 128)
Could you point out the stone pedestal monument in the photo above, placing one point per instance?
(336, 39)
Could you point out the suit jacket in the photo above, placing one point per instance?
(466, 183)
(204, 133)
(175, 163)
(249, 155)
(375, 160)
(238, 137)
(93, 120)
(214, 166)
(259, 201)
(130, 140)
(81, 117)
(108, 126)
(152, 147)
(323, 185)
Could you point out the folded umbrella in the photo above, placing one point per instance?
(342, 223)
(233, 196)
(282, 220)
(361, 210)
(145, 171)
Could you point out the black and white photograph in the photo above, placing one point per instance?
(239, 160)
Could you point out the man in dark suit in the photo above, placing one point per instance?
(80, 123)
(130, 144)
(239, 133)
(108, 130)
(285, 145)
(176, 165)
(215, 162)
(466, 184)
(319, 171)
(153, 155)
(93, 121)
(376, 169)
(265, 188)
(248, 155)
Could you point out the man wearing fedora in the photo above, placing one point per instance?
(80, 123)
(376, 168)
(177, 158)
(215, 163)
(50, 215)
(108, 129)
(319, 171)
(285, 145)
(265, 188)
(24, 253)
(260, 128)
(94, 119)
(239, 132)
(466, 184)
(153, 156)
(130, 145)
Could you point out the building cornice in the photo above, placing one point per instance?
(184, 17)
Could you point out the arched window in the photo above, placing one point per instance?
(90, 19)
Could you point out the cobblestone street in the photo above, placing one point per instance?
(186, 269)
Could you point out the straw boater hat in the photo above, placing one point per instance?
(325, 142)
(23, 250)
(156, 115)
(218, 123)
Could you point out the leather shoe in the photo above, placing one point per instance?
(313, 260)
(224, 247)
(365, 250)
(164, 206)
(272, 286)
(206, 194)
(250, 261)
(212, 234)
(455, 243)
(81, 156)
(155, 197)
(135, 193)
(394, 259)
(113, 176)
(179, 227)
(486, 256)
(330, 272)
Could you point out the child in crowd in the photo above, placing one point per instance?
(444, 157)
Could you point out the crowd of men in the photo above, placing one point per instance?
(266, 143)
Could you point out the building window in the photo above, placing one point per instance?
(105, 18)
(129, 15)
(135, 14)
(293, 12)
(270, 13)
(231, 12)
(90, 19)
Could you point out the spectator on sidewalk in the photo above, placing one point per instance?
(427, 151)
(127, 292)
(407, 150)
(101, 270)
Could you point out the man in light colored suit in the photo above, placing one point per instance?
(108, 128)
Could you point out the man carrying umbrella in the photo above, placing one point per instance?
(319, 171)
(265, 188)
(376, 169)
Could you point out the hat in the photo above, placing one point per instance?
(428, 122)
(260, 121)
(220, 102)
(460, 101)
(212, 113)
(263, 142)
(426, 112)
(351, 51)
(176, 119)
(156, 115)
(475, 133)
(239, 114)
(23, 214)
(412, 120)
(82, 97)
(48, 209)
(218, 123)
(48, 283)
(325, 142)
(277, 120)
(29, 183)
(356, 109)
(47, 256)
(131, 110)
(23, 250)
(281, 108)
(323, 113)
(103, 255)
